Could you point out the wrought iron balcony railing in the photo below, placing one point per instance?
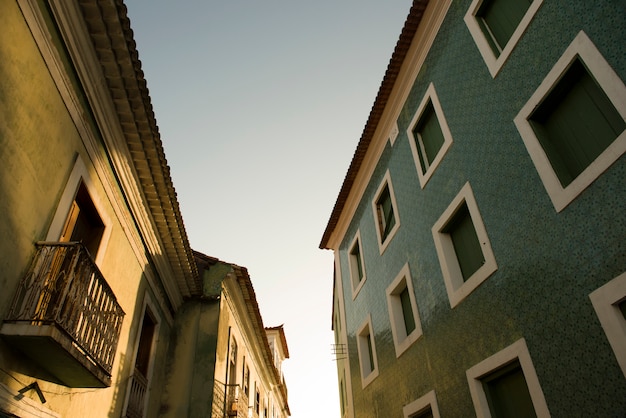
(64, 297)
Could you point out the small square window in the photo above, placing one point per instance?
(356, 265)
(497, 26)
(429, 135)
(366, 347)
(609, 302)
(405, 324)
(463, 246)
(574, 125)
(506, 385)
(424, 407)
(385, 213)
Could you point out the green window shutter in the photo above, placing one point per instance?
(407, 312)
(370, 353)
(575, 123)
(466, 244)
(424, 414)
(386, 212)
(499, 19)
(622, 308)
(428, 136)
(356, 261)
(507, 393)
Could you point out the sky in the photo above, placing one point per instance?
(260, 106)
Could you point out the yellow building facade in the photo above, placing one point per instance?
(96, 270)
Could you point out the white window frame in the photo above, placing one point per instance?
(382, 246)
(428, 401)
(494, 64)
(401, 341)
(429, 97)
(356, 286)
(79, 174)
(613, 87)
(605, 300)
(364, 330)
(455, 286)
(516, 351)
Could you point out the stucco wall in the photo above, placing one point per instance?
(39, 145)
(548, 262)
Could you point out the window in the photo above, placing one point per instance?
(424, 407)
(80, 215)
(429, 136)
(609, 302)
(357, 267)
(366, 348)
(232, 372)
(574, 125)
(257, 399)
(139, 383)
(385, 213)
(506, 385)
(497, 26)
(463, 247)
(246, 379)
(405, 323)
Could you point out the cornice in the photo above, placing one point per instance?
(416, 38)
(99, 39)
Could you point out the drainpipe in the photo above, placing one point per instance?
(226, 379)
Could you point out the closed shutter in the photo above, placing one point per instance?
(576, 123)
(429, 137)
(500, 18)
(407, 311)
(466, 244)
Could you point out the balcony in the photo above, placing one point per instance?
(65, 317)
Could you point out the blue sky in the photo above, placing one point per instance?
(260, 106)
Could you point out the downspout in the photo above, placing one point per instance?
(226, 377)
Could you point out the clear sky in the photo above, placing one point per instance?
(260, 106)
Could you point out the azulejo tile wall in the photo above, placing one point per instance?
(548, 262)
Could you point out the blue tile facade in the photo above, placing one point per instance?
(548, 262)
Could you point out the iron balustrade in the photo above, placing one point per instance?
(64, 287)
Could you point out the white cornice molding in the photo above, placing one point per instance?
(418, 51)
(71, 23)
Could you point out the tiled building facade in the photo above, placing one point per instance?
(479, 233)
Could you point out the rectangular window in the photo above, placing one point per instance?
(465, 241)
(386, 217)
(429, 135)
(499, 19)
(356, 265)
(403, 314)
(506, 385)
(407, 312)
(609, 302)
(424, 407)
(385, 213)
(463, 246)
(574, 124)
(507, 392)
(366, 348)
(497, 26)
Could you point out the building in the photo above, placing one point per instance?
(96, 270)
(479, 232)
(224, 353)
